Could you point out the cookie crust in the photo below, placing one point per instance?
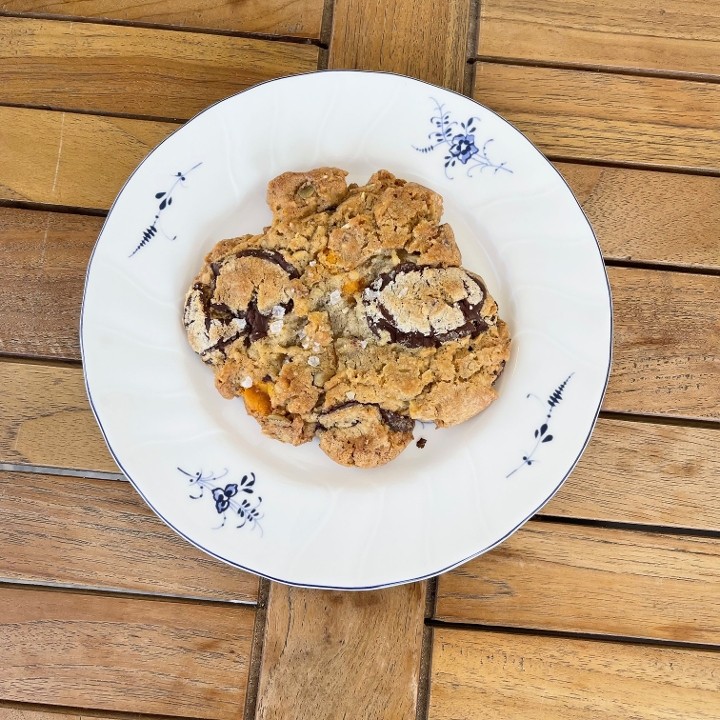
(348, 318)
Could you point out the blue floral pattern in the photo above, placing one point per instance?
(542, 434)
(235, 497)
(165, 200)
(459, 139)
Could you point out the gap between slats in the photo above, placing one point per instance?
(116, 22)
(562, 634)
(607, 69)
(68, 712)
(108, 592)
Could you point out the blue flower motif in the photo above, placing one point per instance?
(222, 497)
(463, 147)
(459, 140)
(245, 507)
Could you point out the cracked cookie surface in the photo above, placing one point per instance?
(348, 318)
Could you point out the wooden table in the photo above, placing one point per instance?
(606, 605)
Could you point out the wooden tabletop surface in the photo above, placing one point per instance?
(606, 605)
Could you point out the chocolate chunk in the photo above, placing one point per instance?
(474, 322)
(421, 443)
(396, 421)
(499, 372)
(341, 406)
(271, 256)
(258, 324)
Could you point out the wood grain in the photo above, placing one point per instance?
(133, 655)
(137, 71)
(341, 655)
(662, 368)
(631, 472)
(639, 472)
(45, 419)
(574, 579)
(43, 257)
(676, 36)
(510, 676)
(607, 117)
(650, 216)
(666, 345)
(18, 711)
(100, 534)
(64, 158)
(298, 18)
(35, 711)
(423, 39)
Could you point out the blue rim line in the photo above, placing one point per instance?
(345, 587)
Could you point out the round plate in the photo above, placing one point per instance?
(290, 513)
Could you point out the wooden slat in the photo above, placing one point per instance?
(650, 216)
(638, 472)
(500, 676)
(663, 367)
(299, 18)
(70, 159)
(35, 711)
(640, 215)
(100, 534)
(17, 711)
(420, 38)
(666, 344)
(134, 655)
(341, 655)
(631, 472)
(675, 36)
(575, 579)
(43, 256)
(138, 71)
(45, 419)
(607, 117)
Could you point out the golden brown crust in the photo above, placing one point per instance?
(348, 318)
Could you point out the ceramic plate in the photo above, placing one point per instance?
(290, 513)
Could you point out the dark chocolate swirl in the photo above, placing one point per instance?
(395, 421)
(256, 325)
(474, 324)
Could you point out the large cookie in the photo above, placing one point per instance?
(349, 317)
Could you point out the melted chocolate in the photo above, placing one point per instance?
(395, 421)
(257, 324)
(271, 256)
(474, 323)
(220, 345)
(499, 373)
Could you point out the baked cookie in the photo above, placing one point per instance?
(349, 317)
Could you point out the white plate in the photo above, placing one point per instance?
(288, 513)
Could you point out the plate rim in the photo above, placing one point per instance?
(393, 583)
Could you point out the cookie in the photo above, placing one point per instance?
(348, 318)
